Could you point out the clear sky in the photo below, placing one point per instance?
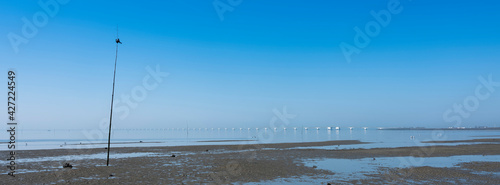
(232, 65)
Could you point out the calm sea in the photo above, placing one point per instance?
(52, 139)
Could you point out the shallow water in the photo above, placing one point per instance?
(356, 168)
(349, 169)
(87, 157)
(53, 139)
(345, 169)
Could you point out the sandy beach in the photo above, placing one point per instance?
(239, 164)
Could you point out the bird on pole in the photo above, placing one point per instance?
(117, 40)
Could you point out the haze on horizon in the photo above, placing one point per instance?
(261, 57)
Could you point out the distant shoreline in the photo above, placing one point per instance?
(297, 128)
(453, 128)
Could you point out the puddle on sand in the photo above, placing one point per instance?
(356, 168)
(304, 180)
(87, 156)
(349, 169)
(90, 156)
(44, 169)
(94, 178)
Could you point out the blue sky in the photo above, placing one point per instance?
(263, 55)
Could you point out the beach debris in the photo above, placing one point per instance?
(111, 175)
(207, 150)
(67, 165)
(173, 155)
(374, 158)
(315, 166)
(140, 141)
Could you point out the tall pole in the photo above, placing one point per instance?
(112, 97)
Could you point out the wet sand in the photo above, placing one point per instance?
(235, 164)
(429, 175)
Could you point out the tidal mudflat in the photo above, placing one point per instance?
(275, 163)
